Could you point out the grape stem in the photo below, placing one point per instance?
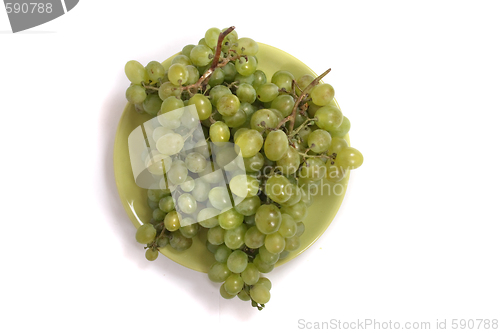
(304, 124)
(150, 87)
(304, 93)
(305, 155)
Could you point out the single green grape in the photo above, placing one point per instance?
(295, 197)
(203, 106)
(249, 143)
(217, 77)
(228, 105)
(157, 194)
(248, 206)
(292, 243)
(259, 79)
(343, 129)
(211, 247)
(298, 211)
(186, 50)
(329, 117)
(229, 72)
(268, 257)
(246, 93)
(263, 119)
(262, 266)
(230, 219)
(336, 145)
(244, 79)
(168, 89)
(276, 145)
(236, 120)
(349, 158)
(283, 79)
(155, 71)
(235, 238)
(289, 163)
(322, 94)
(219, 132)
(244, 186)
(265, 282)
(145, 234)
(268, 218)
(278, 188)
(246, 66)
(158, 214)
(151, 254)
(172, 222)
(313, 169)
(171, 103)
(254, 238)
(217, 92)
(152, 204)
(182, 59)
(190, 230)
(284, 104)
(233, 284)
(215, 235)
(254, 163)
(152, 104)
(201, 55)
(193, 74)
(135, 94)
(250, 275)
(178, 74)
(244, 296)
(180, 243)
(135, 72)
(274, 243)
(218, 272)
(237, 261)
(288, 227)
(319, 141)
(224, 293)
(211, 37)
(222, 253)
(303, 82)
(267, 92)
(247, 46)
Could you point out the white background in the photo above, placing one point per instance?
(416, 238)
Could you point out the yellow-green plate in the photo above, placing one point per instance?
(134, 199)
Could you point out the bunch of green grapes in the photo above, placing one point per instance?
(274, 140)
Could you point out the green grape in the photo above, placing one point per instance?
(178, 172)
(195, 162)
(168, 89)
(172, 222)
(216, 78)
(152, 204)
(276, 145)
(228, 105)
(229, 72)
(284, 104)
(187, 203)
(230, 219)
(247, 46)
(249, 142)
(203, 106)
(178, 74)
(319, 141)
(300, 229)
(259, 79)
(246, 66)
(262, 266)
(234, 238)
(254, 163)
(218, 272)
(288, 227)
(135, 94)
(312, 109)
(268, 257)
(322, 94)
(295, 197)
(244, 79)
(237, 261)
(292, 243)
(349, 158)
(201, 55)
(267, 92)
(306, 197)
(202, 42)
(145, 234)
(303, 82)
(190, 230)
(219, 198)
(244, 186)
(162, 241)
(215, 235)
(329, 117)
(278, 188)
(244, 296)
(251, 274)
(248, 108)
(299, 120)
(193, 74)
(254, 238)
(186, 50)
(135, 72)
(274, 243)
(211, 37)
(283, 79)
(298, 211)
(284, 254)
(219, 132)
(334, 173)
(152, 104)
(246, 93)
(262, 119)
(236, 120)
(157, 194)
(224, 293)
(313, 169)
(268, 218)
(151, 254)
(180, 243)
(289, 163)
(155, 71)
(231, 37)
(248, 206)
(265, 282)
(217, 92)
(222, 253)
(207, 217)
(343, 129)
(158, 214)
(211, 247)
(233, 284)
(336, 145)
(171, 103)
(278, 114)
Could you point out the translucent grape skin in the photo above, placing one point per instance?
(135, 72)
(135, 94)
(322, 94)
(319, 141)
(219, 132)
(276, 145)
(145, 234)
(349, 158)
(203, 106)
(268, 218)
(267, 92)
(249, 142)
(237, 261)
(329, 117)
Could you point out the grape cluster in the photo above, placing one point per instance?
(235, 157)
